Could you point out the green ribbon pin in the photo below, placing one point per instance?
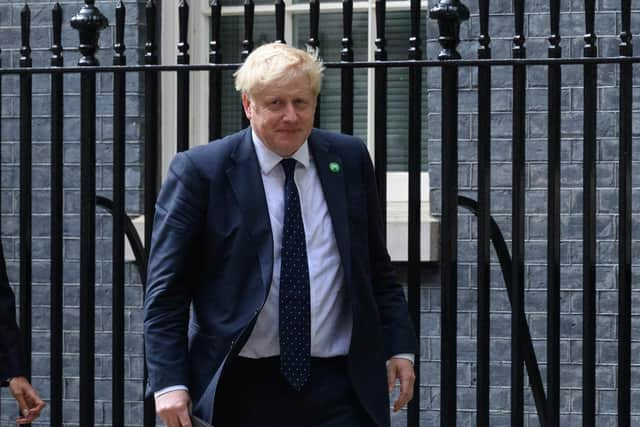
(334, 167)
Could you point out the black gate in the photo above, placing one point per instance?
(449, 15)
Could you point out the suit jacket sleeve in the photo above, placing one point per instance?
(399, 334)
(10, 354)
(177, 223)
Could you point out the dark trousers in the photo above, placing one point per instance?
(253, 393)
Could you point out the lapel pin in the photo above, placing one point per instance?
(334, 167)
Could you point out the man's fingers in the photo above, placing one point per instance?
(173, 407)
(406, 394)
(22, 404)
(401, 369)
(27, 398)
(35, 404)
(185, 419)
(176, 418)
(391, 376)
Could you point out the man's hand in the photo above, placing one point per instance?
(174, 407)
(28, 400)
(402, 369)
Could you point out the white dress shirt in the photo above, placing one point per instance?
(330, 315)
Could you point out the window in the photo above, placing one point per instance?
(297, 34)
(364, 33)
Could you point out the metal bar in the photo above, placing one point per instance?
(449, 247)
(25, 190)
(346, 55)
(380, 113)
(150, 160)
(553, 220)
(356, 64)
(484, 215)
(87, 244)
(183, 78)
(625, 224)
(1, 154)
(518, 213)
(151, 177)
(279, 10)
(247, 44)
(314, 43)
(118, 302)
(89, 22)
(589, 222)
(449, 14)
(215, 76)
(57, 206)
(414, 202)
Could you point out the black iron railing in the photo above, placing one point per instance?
(449, 14)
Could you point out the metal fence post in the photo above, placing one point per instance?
(89, 22)
(449, 14)
(57, 233)
(26, 121)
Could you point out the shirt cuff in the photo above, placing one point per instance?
(168, 389)
(408, 356)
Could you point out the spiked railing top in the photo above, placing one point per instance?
(280, 9)
(346, 54)
(89, 22)
(25, 25)
(381, 42)
(314, 17)
(150, 44)
(215, 54)
(449, 14)
(119, 46)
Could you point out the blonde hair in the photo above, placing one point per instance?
(277, 62)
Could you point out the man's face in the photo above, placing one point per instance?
(282, 114)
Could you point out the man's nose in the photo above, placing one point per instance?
(290, 113)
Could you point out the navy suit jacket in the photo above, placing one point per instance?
(10, 354)
(211, 262)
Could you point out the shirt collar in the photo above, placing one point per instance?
(269, 160)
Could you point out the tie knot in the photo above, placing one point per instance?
(289, 165)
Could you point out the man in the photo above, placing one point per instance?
(274, 237)
(11, 374)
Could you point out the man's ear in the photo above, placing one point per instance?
(246, 105)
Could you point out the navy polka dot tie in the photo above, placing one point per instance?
(294, 311)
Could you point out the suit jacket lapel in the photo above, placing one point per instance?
(333, 187)
(246, 181)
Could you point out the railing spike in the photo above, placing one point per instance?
(247, 42)
(449, 14)
(89, 22)
(280, 10)
(119, 46)
(25, 29)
